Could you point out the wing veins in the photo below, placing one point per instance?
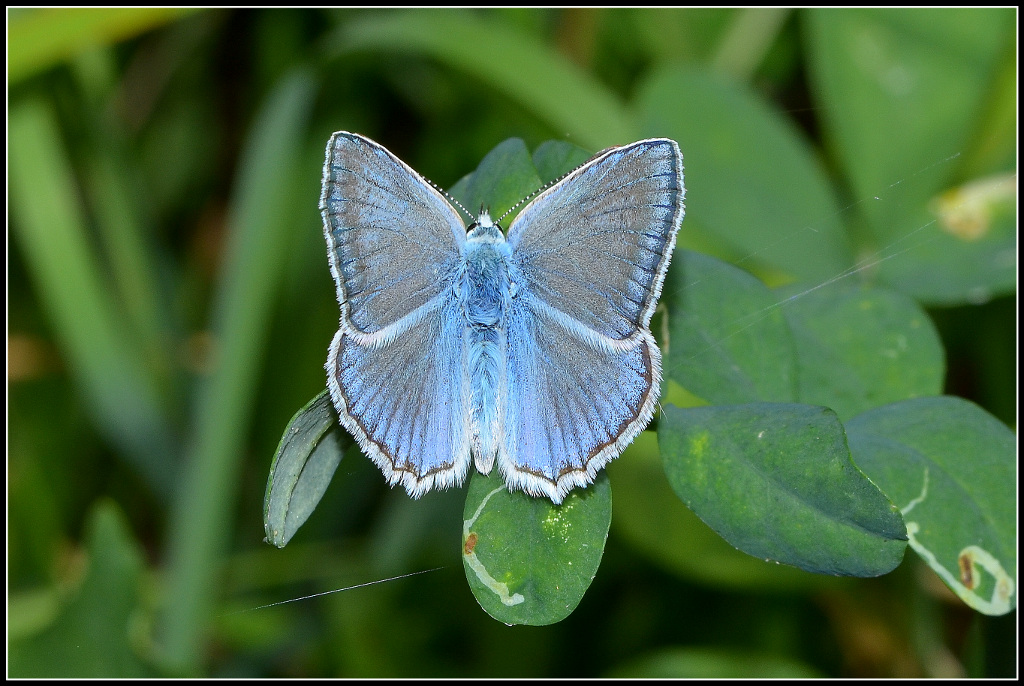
(385, 189)
(429, 247)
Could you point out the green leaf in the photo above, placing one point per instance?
(94, 634)
(755, 193)
(904, 90)
(529, 561)
(859, 347)
(555, 158)
(748, 38)
(952, 469)
(40, 38)
(649, 515)
(504, 176)
(777, 482)
(727, 341)
(511, 62)
(713, 663)
(305, 461)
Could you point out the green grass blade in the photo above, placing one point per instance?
(131, 259)
(50, 230)
(39, 39)
(544, 82)
(260, 223)
(748, 39)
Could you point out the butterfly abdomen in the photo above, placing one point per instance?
(484, 296)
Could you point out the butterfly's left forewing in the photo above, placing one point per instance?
(595, 246)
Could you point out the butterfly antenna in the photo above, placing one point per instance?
(537, 192)
(531, 196)
(450, 198)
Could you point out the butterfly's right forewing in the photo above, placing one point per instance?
(393, 241)
(589, 256)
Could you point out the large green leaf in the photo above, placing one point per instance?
(94, 635)
(776, 481)
(904, 91)
(650, 516)
(754, 192)
(529, 561)
(858, 347)
(303, 465)
(727, 340)
(952, 469)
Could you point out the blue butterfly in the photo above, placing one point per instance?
(531, 350)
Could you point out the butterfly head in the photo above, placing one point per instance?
(484, 230)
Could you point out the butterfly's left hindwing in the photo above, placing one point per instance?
(571, 405)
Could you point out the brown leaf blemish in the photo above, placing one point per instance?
(966, 563)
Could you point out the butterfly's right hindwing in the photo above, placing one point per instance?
(406, 401)
(393, 241)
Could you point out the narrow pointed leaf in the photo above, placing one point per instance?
(305, 461)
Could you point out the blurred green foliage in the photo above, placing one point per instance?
(170, 306)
